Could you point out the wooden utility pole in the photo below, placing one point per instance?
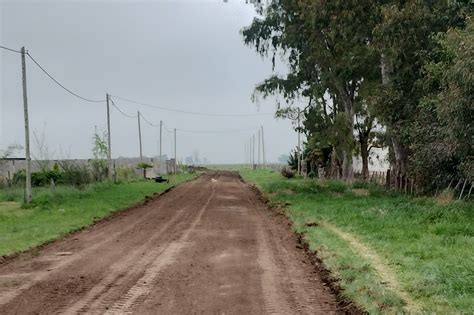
(140, 136)
(161, 143)
(263, 149)
(109, 149)
(175, 150)
(28, 193)
(299, 143)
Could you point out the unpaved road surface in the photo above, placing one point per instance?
(205, 247)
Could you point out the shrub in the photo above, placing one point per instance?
(19, 178)
(287, 172)
(75, 174)
(125, 174)
(43, 178)
(360, 185)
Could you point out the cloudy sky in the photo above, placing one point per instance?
(187, 55)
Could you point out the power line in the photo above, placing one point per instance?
(120, 111)
(62, 86)
(213, 131)
(166, 128)
(148, 122)
(10, 49)
(190, 112)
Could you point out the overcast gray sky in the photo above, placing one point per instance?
(187, 55)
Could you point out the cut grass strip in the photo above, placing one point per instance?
(67, 209)
(382, 269)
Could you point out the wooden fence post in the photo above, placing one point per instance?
(387, 179)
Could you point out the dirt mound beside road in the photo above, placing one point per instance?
(205, 247)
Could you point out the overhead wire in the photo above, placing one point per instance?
(10, 49)
(190, 112)
(61, 85)
(148, 122)
(213, 131)
(166, 129)
(122, 112)
(144, 104)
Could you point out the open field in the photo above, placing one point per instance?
(208, 246)
(54, 214)
(390, 252)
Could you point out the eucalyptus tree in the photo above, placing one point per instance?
(405, 38)
(327, 47)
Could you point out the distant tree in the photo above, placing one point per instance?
(43, 156)
(283, 158)
(100, 152)
(144, 166)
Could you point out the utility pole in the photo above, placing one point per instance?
(245, 152)
(263, 149)
(109, 151)
(161, 143)
(28, 194)
(140, 136)
(299, 143)
(250, 152)
(253, 150)
(259, 148)
(175, 150)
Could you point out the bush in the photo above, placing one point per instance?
(287, 172)
(19, 178)
(76, 174)
(44, 178)
(125, 174)
(360, 185)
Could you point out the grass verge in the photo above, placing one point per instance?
(67, 209)
(390, 253)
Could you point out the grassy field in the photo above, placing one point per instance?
(54, 214)
(391, 253)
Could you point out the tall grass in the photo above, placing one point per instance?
(427, 245)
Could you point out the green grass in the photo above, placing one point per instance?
(54, 214)
(427, 247)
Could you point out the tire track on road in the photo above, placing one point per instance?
(144, 285)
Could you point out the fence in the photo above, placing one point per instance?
(408, 185)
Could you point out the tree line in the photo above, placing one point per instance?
(388, 74)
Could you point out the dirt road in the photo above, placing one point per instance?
(208, 246)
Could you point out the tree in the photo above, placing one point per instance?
(144, 166)
(43, 155)
(100, 151)
(443, 130)
(405, 41)
(327, 44)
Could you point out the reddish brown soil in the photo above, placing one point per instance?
(204, 247)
